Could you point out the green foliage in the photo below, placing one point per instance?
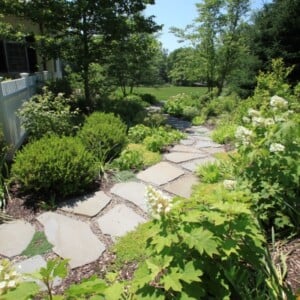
(155, 120)
(123, 176)
(38, 245)
(209, 173)
(206, 251)
(149, 98)
(104, 135)
(224, 133)
(47, 114)
(3, 153)
(199, 120)
(60, 85)
(131, 248)
(136, 157)
(54, 166)
(183, 105)
(138, 133)
(269, 147)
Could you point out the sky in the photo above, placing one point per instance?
(179, 13)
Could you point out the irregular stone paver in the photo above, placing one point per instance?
(132, 191)
(89, 205)
(160, 173)
(187, 142)
(212, 151)
(119, 220)
(199, 130)
(15, 236)
(183, 148)
(182, 186)
(207, 144)
(193, 165)
(72, 239)
(32, 265)
(178, 157)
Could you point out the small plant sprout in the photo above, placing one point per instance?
(159, 204)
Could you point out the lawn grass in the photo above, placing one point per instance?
(38, 245)
(162, 93)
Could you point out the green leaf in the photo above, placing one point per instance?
(202, 240)
(114, 291)
(172, 280)
(190, 274)
(157, 264)
(24, 291)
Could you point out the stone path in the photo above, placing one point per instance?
(83, 228)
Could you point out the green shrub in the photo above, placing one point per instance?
(48, 114)
(269, 153)
(189, 112)
(138, 133)
(60, 85)
(104, 135)
(211, 251)
(155, 120)
(129, 159)
(209, 173)
(149, 157)
(54, 166)
(149, 98)
(155, 143)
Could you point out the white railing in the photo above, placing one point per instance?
(13, 93)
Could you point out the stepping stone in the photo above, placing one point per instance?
(88, 206)
(183, 148)
(207, 144)
(72, 239)
(183, 186)
(119, 220)
(187, 142)
(132, 191)
(193, 165)
(32, 265)
(160, 173)
(198, 130)
(178, 157)
(212, 151)
(15, 236)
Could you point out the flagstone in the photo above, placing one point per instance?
(119, 220)
(182, 186)
(160, 173)
(184, 148)
(207, 144)
(193, 165)
(72, 239)
(32, 265)
(132, 191)
(187, 142)
(15, 236)
(89, 205)
(178, 157)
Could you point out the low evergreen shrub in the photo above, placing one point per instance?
(104, 135)
(54, 166)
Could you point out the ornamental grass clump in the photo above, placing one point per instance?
(269, 148)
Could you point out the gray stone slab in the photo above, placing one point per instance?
(15, 236)
(178, 157)
(119, 220)
(182, 186)
(192, 165)
(187, 142)
(160, 173)
(32, 265)
(89, 205)
(72, 239)
(184, 148)
(132, 191)
(212, 151)
(199, 130)
(207, 144)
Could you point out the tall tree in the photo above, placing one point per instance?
(216, 34)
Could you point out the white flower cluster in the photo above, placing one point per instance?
(9, 278)
(278, 102)
(253, 113)
(244, 135)
(159, 204)
(276, 147)
(229, 184)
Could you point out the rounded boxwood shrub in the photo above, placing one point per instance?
(104, 135)
(55, 166)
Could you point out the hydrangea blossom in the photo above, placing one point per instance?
(159, 204)
(9, 278)
(278, 102)
(229, 184)
(258, 121)
(253, 112)
(269, 122)
(276, 147)
(244, 135)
